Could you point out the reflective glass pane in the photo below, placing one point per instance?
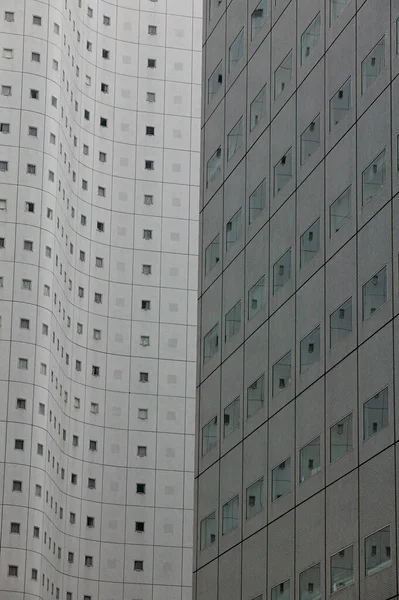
(342, 572)
(282, 271)
(255, 396)
(258, 108)
(374, 177)
(375, 414)
(310, 349)
(235, 139)
(208, 531)
(310, 140)
(340, 104)
(232, 322)
(258, 18)
(336, 8)
(257, 201)
(283, 75)
(281, 479)
(340, 211)
(215, 82)
(373, 64)
(256, 297)
(214, 166)
(230, 515)
(282, 374)
(282, 591)
(341, 438)
(310, 38)
(212, 254)
(309, 460)
(231, 417)
(233, 229)
(374, 293)
(340, 322)
(255, 498)
(310, 243)
(283, 172)
(211, 343)
(209, 436)
(236, 51)
(377, 550)
(309, 584)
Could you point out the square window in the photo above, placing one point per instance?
(98, 298)
(281, 373)
(149, 165)
(373, 65)
(341, 322)
(234, 229)
(21, 403)
(146, 269)
(209, 436)
(236, 51)
(24, 324)
(88, 561)
(211, 343)
(281, 479)
(375, 414)
(91, 483)
(341, 103)
(5, 127)
(256, 297)
(103, 122)
(230, 515)
(141, 451)
(374, 177)
(212, 254)
(93, 445)
(255, 396)
(336, 8)
(36, 20)
(3, 204)
(22, 363)
(255, 502)
(32, 131)
(340, 211)
(258, 108)
(9, 16)
(283, 75)
(150, 97)
(147, 234)
(102, 157)
(258, 18)
(235, 139)
(34, 94)
(231, 417)
(309, 583)
(31, 169)
(149, 130)
(18, 444)
(101, 191)
(309, 460)
(283, 172)
(26, 284)
(310, 243)
(148, 199)
(143, 377)
(215, 82)
(232, 321)
(342, 569)
(17, 486)
(12, 571)
(145, 305)
(310, 140)
(151, 63)
(282, 591)
(144, 340)
(140, 488)
(139, 526)
(95, 371)
(152, 30)
(3, 165)
(6, 90)
(94, 408)
(310, 349)
(35, 56)
(374, 293)
(377, 551)
(97, 334)
(282, 271)
(138, 565)
(106, 20)
(208, 531)
(310, 38)
(214, 166)
(8, 53)
(143, 413)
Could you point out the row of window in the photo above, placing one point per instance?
(374, 296)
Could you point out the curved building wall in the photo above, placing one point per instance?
(98, 277)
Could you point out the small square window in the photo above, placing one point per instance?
(105, 53)
(93, 445)
(21, 403)
(98, 298)
(100, 226)
(101, 191)
(12, 571)
(103, 122)
(152, 30)
(91, 483)
(256, 297)
(35, 57)
(3, 166)
(88, 561)
(95, 371)
(148, 199)
(144, 340)
(143, 413)
(150, 97)
(106, 20)
(143, 377)
(147, 234)
(17, 486)
(24, 324)
(31, 169)
(19, 444)
(151, 63)
(139, 526)
(34, 94)
(374, 293)
(4, 127)
(149, 130)
(374, 177)
(310, 349)
(283, 75)
(149, 165)
(23, 363)
(97, 334)
(138, 565)
(140, 488)
(9, 16)
(141, 451)
(36, 20)
(373, 65)
(89, 12)
(145, 305)
(26, 284)
(32, 131)
(375, 414)
(102, 157)
(6, 90)
(146, 269)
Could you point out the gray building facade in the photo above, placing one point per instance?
(297, 415)
(99, 193)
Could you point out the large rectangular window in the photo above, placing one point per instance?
(340, 211)
(283, 172)
(341, 323)
(373, 65)
(342, 569)
(209, 436)
(310, 38)
(257, 202)
(341, 438)
(255, 498)
(281, 479)
(235, 139)
(374, 293)
(377, 551)
(230, 515)
(208, 531)
(340, 103)
(236, 51)
(375, 414)
(374, 177)
(231, 417)
(255, 396)
(309, 460)
(212, 254)
(211, 343)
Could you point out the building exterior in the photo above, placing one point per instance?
(99, 155)
(296, 469)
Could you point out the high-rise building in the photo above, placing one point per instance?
(296, 469)
(99, 154)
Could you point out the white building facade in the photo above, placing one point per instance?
(99, 176)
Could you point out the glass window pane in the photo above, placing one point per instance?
(258, 18)
(374, 177)
(234, 139)
(258, 108)
(377, 550)
(230, 515)
(341, 438)
(282, 271)
(211, 343)
(209, 436)
(236, 51)
(215, 82)
(340, 322)
(309, 460)
(283, 172)
(310, 243)
(310, 140)
(256, 297)
(310, 349)
(208, 531)
(373, 64)
(282, 374)
(336, 8)
(340, 104)
(283, 75)
(281, 479)
(214, 166)
(282, 591)
(257, 201)
(255, 396)
(231, 418)
(255, 498)
(342, 572)
(213, 5)
(232, 322)
(340, 211)
(233, 229)
(212, 254)
(310, 38)
(375, 414)
(374, 293)
(309, 584)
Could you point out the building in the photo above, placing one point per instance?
(296, 469)
(99, 154)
